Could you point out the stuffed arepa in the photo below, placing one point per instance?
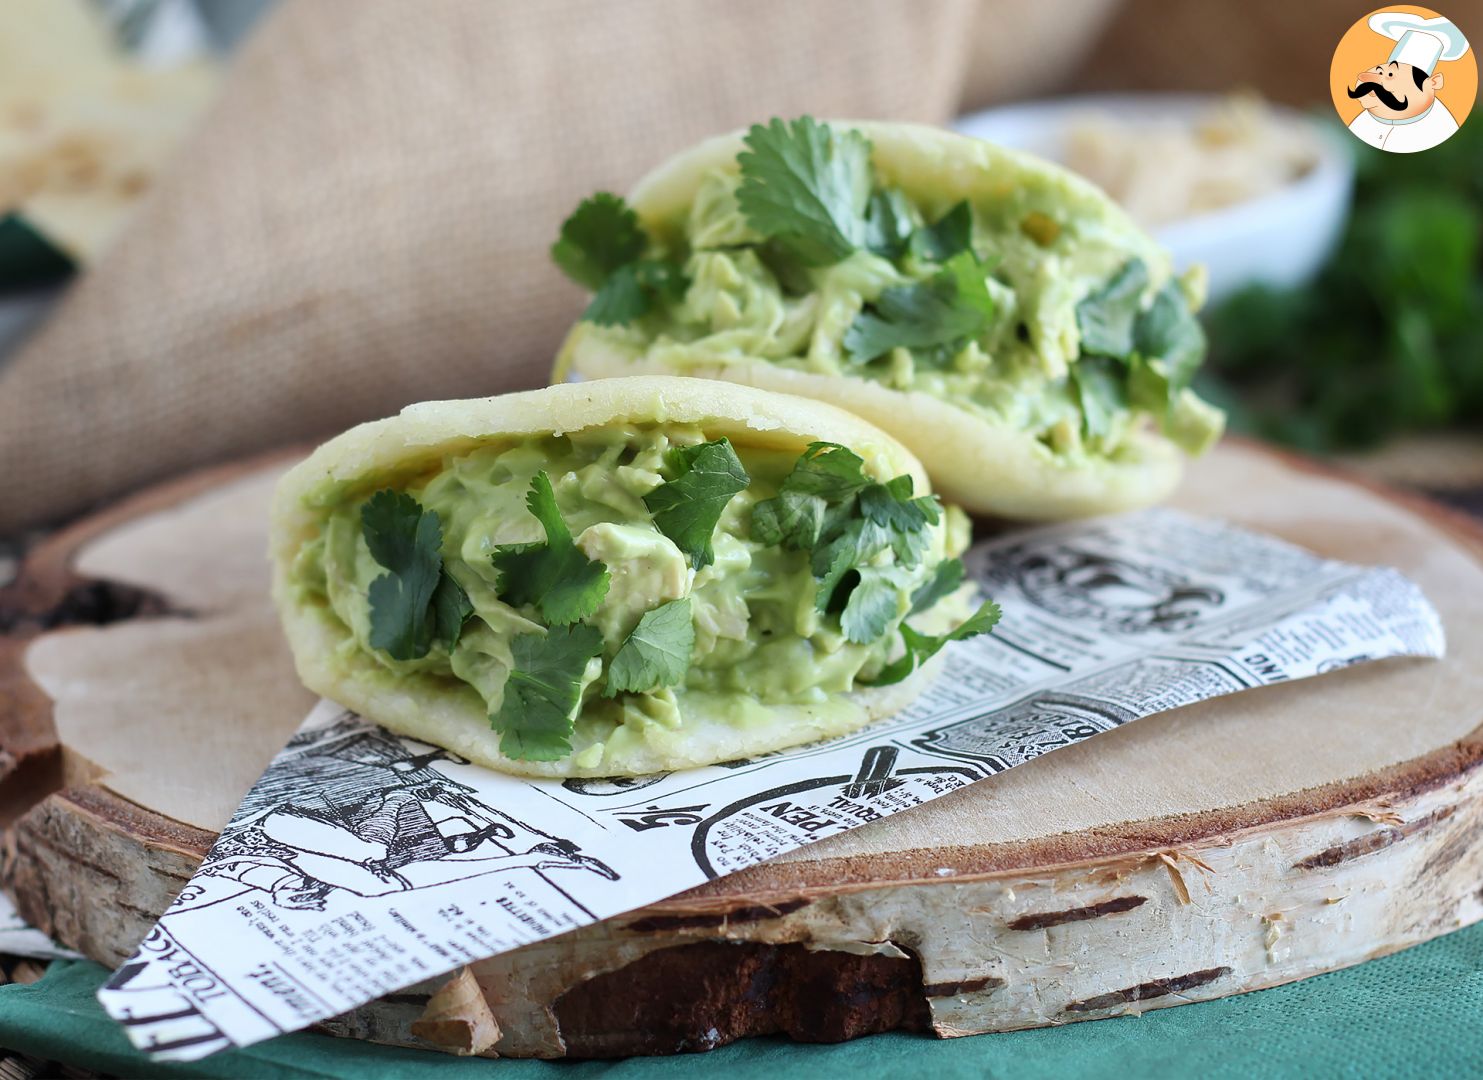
(618, 577)
(1000, 316)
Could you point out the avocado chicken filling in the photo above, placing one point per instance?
(601, 576)
(1031, 310)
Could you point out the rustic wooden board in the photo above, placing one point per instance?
(1230, 845)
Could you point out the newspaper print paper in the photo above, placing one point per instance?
(362, 862)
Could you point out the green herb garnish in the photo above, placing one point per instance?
(830, 508)
(657, 653)
(807, 186)
(543, 692)
(1100, 384)
(904, 518)
(1106, 316)
(416, 604)
(687, 506)
(1131, 356)
(1169, 333)
(947, 578)
(951, 234)
(945, 311)
(873, 604)
(601, 236)
(602, 246)
(888, 224)
(555, 577)
(922, 647)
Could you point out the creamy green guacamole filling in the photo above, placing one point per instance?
(743, 299)
(758, 633)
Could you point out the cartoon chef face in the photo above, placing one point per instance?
(1404, 85)
(1395, 90)
(1402, 112)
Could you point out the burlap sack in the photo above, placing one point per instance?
(364, 219)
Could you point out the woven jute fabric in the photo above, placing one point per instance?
(363, 220)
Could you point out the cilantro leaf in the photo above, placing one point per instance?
(686, 508)
(829, 507)
(888, 226)
(601, 236)
(860, 541)
(602, 246)
(631, 291)
(904, 518)
(1100, 393)
(657, 653)
(871, 607)
(561, 582)
(815, 502)
(791, 519)
(450, 607)
(946, 579)
(543, 691)
(1168, 331)
(922, 647)
(1106, 316)
(832, 564)
(1142, 359)
(951, 307)
(828, 470)
(806, 186)
(950, 235)
(416, 603)
(619, 300)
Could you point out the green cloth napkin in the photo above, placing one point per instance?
(1415, 1014)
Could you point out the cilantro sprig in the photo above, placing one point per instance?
(829, 507)
(808, 191)
(555, 577)
(416, 603)
(687, 507)
(602, 247)
(543, 691)
(1106, 315)
(922, 647)
(601, 236)
(946, 578)
(1131, 355)
(943, 312)
(807, 186)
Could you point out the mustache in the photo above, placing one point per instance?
(1389, 100)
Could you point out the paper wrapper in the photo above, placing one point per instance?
(362, 862)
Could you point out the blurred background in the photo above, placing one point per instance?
(227, 225)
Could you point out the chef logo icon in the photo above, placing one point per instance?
(1404, 79)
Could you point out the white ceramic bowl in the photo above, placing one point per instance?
(1280, 238)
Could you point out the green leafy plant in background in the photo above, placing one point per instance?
(1389, 338)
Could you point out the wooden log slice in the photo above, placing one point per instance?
(1226, 846)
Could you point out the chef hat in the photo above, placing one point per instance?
(1419, 42)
